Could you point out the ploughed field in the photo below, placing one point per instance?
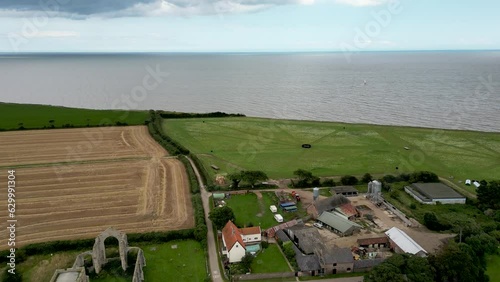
(74, 183)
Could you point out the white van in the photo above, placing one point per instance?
(273, 208)
(278, 217)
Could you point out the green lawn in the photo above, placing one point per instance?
(493, 268)
(38, 116)
(270, 260)
(163, 263)
(274, 146)
(248, 209)
(185, 263)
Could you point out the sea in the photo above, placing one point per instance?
(438, 89)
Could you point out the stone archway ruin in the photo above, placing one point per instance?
(99, 250)
(99, 258)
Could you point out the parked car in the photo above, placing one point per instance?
(318, 225)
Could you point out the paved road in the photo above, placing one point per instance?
(213, 260)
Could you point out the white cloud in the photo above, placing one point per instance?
(53, 34)
(362, 3)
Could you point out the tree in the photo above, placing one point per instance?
(482, 244)
(247, 260)
(418, 269)
(366, 178)
(488, 195)
(220, 216)
(349, 180)
(457, 262)
(424, 176)
(431, 221)
(252, 176)
(402, 267)
(9, 277)
(303, 174)
(384, 272)
(235, 179)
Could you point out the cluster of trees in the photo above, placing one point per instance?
(418, 176)
(251, 177)
(454, 262)
(195, 115)
(220, 216)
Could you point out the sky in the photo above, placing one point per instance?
(247, 25)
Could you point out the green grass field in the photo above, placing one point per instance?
(38, 116)
(270, 260)
(185, 263)
(248, 209)
(274, 146)
(493, 268)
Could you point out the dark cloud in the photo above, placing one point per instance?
(128, 7)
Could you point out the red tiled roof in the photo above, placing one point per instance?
(231, 235)
(348, 210)
(250, 230)
(370, 241)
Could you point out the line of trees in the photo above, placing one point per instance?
(172, 115)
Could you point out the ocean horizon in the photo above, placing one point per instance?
(455, 89)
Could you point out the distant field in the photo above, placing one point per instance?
(493, 269)
(274, 146)
(38, 116)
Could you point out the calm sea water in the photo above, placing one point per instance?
(456, 90)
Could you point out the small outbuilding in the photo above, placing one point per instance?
(348, 191)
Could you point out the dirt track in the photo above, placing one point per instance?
(121, 179)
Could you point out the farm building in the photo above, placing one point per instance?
(378, 242)
(335, 260)
(237, 242)
(367, 264)
(348, 191)
(306, 238)
(347, 210)
(400, 242)
(431, 193)
(338, 224)
(329, 204)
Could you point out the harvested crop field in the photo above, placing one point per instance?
(126, 181)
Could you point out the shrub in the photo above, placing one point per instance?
(329, 183)
(349, 180)
(265, 244)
